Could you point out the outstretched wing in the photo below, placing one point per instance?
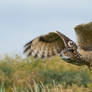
(84, 36)
(46, 45)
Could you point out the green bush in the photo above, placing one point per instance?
(69, 77)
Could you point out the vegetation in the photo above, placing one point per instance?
(48, 75)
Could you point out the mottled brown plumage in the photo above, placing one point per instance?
(45, 45)
(84, 36)
(57, 43)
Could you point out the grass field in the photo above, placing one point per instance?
(48, 75)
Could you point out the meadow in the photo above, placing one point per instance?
(19, 74)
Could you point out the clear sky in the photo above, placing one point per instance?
(22, 20)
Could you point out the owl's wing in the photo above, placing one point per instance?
(84, 36)
(46, 45)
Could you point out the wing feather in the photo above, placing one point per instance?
(84, 36)
(45, 46)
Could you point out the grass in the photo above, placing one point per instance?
(48, 75)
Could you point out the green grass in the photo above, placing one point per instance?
(30, 75)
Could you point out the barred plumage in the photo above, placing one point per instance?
(45, 45)
(55, 43)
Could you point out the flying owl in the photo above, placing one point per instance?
(54, 43)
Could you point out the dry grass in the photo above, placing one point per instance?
(18, 75)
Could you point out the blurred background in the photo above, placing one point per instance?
(22, 20)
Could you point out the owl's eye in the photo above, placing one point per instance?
(65, 52)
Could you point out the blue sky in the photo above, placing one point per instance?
(22, 20)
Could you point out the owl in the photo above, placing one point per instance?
(55, 43)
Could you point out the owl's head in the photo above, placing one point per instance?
(70, 51)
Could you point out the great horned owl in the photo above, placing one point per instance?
(55, 43)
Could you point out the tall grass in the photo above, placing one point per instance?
(48, 75)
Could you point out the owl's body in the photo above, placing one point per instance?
(57, 43)
(87, 55)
